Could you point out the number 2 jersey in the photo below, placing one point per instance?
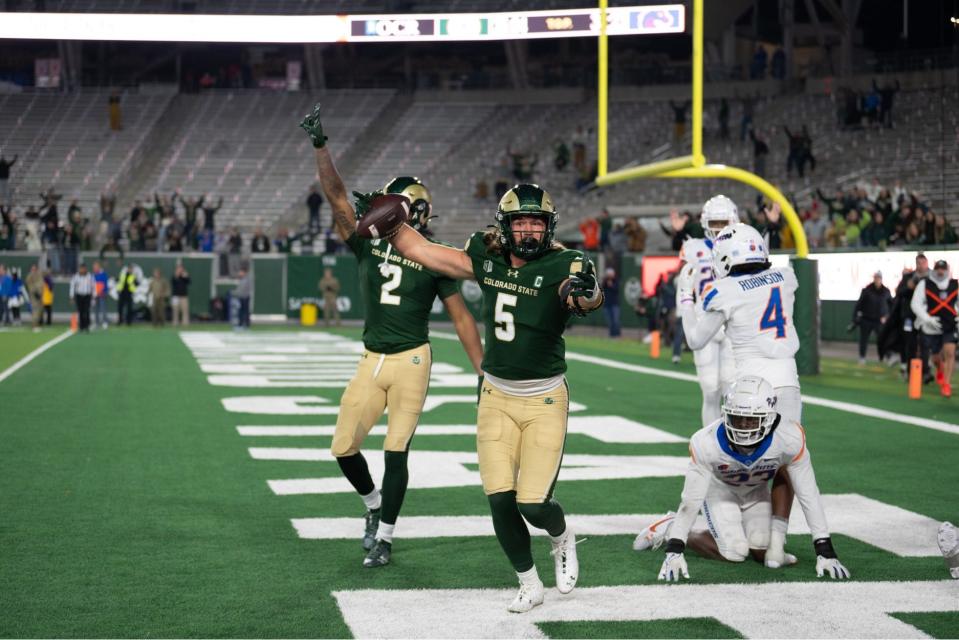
(699, 253)
(758, 313)
(715, 465)
(398, 299)
(524, 316)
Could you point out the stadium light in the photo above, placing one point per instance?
(424, 27)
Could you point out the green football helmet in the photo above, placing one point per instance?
(526, 200)
(421, 203)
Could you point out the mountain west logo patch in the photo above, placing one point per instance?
(538, 282)
(488, 266)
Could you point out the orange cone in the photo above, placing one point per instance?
(654, 344)
(74, 322)
(915, 379)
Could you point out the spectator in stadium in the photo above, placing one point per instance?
(34, 293)
(673, 328)
(610, 286)
(190, 207)
(314, 201)
(875, 233)
(807, 156)
(5, 166)
(871, 312)
(260, 243)
(942, 232)
(757, 68)
(138, 212)
(617, 245)
(209, 211)
(108, 204)
(836, 205)
(636, 235)
(234, 250)
(887, 95)
(101, 289)
(116, 113)
(282, 241)
(149, 232)
(174, 242)
(679, 119)
(560, 155)
(180, 300)
(815, 227)
(8, 228)
(760, 151)
(746, 121)
(589, 227)
(52, 243)
(207, 241)
(481, 192)
(4, 288)
(82, 287)
(160, 294)
(242, 292)
(682, 226)
(330, 288)
(777, 68)
(127, 283)
(871, 103)
(723, 119)
(47, 298)
(579, 152)
(796, 153)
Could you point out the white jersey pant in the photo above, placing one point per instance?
(716, 370)
(789, 403)
(737, 522)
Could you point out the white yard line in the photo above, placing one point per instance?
(848, 407)
(25, 360)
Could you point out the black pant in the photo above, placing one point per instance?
(83, 309)
(125, 308)
(866, 329)
(48, 314)
(244, 313)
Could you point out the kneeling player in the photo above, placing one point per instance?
(732, 462)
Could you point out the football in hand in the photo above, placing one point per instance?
(387, 214)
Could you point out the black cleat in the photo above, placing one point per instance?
(379, 555)
(372, 518)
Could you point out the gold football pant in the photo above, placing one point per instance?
(520, 441)
(398, 382)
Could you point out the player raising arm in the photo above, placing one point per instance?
(531, 285)
(394, 370)
(731, 463)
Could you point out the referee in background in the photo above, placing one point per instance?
(82, 286)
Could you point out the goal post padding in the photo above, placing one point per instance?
(806, 315)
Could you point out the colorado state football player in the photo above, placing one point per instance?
(731, 463)
(531, 286)
(394, 370)
(754, 302)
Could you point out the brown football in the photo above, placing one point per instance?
(387, 212)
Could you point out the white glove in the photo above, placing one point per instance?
(932, 324)
(831, 567)
(685, 285)
(673, 566)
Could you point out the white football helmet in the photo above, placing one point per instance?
(695, 249)
(718, 213)
(738, 244)
(749, 410)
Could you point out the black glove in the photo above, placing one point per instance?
(312, 125)
(363, 201)
(580, 285)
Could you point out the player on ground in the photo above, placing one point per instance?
(936, 306)
(754, 302)
(731, 463)
(715, 363)
(521, 424)
(394, 370)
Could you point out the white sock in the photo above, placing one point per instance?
(385, 532)
(780, 525)
(777, 534)
(372, 500)
(529, 577)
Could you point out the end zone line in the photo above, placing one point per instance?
(849, 407)
(25, 360)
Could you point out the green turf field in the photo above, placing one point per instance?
(132, 506)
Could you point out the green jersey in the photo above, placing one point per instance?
(524, 315)
(398, 298)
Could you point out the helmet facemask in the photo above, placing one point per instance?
(749, 411)
(526, 201)
(421, 206)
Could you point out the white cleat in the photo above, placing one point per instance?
(530, 595)
(653, 536)
(567, 564)
(949, 545)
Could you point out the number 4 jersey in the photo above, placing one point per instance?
(758, 313)
(397, 297)
(523, 313)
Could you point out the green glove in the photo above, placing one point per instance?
(363, 201)
(312, 125)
